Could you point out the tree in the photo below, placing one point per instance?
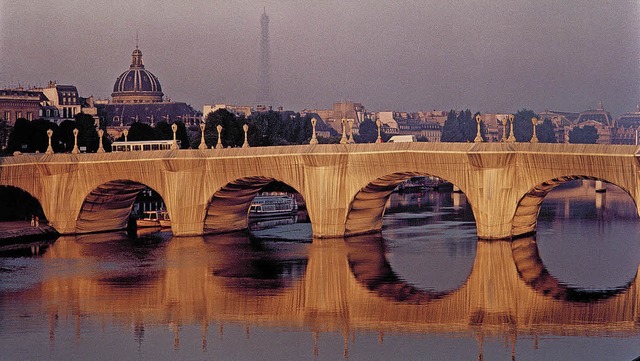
(522, 125)
(546, 132)
(451, 131)
(87, 132)
(163, 131)
(19, 137)
(368, 132)
(461, 127)
(587, 134)
(232, 134)
(38, 139)
(140, 131)
(468, 125)
(181, 134)
(267, 128)
(31, 136)
(66, 135)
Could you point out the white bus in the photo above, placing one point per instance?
(142, 145)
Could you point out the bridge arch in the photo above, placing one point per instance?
(525, 219)
(227, 210)
(19, 204)
(108, 206)
(368, 205)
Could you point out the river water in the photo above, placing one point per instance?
(425, 289)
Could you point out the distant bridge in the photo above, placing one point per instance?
(345, 187)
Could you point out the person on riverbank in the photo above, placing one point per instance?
(37, 221)
(33, 221)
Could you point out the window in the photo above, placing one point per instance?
(18, 114)
(7, 116)
(29, 116)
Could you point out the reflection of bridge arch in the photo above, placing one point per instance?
(525, 218)
(108, 206)
(370, 267)
(368, 205)
(495, 300)
(532, 271)
(227, 210)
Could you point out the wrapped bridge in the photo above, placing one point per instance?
(345, 187)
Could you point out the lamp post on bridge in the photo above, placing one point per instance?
(49, 148)
(246, 141)
(534, 138)
(313, 140)
(478, 138)
(203, 144)
(100, 147)
(75, 150)
(219, 144)
(344, 140)
(512, 138)
(378, 124)
(174, 144)
(350, 140)
(126, 134)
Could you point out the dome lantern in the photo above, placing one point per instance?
(137, 85)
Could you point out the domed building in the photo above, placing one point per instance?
(137, 97)
(599, 119)
(137, 85)
(628, 127)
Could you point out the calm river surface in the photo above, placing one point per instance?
(426, 289)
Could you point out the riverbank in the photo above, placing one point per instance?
(22, 231)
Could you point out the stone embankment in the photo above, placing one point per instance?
(23, 231)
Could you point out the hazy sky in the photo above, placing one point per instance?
(489, 56)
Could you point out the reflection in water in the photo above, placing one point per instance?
(585, 246)
(240, 297)
(426, 233)
(346, 286)
(534, 273)
(259, 224)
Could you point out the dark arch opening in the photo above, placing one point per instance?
(229, 208)
(18, 205)
(109, 206)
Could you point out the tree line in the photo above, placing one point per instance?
(264, 129)
(462, 127)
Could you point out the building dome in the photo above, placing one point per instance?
(137, 85)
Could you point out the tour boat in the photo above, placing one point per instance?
(154, 219)
(273, 205)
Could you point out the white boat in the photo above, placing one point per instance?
(273, 205)
(154, 219)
